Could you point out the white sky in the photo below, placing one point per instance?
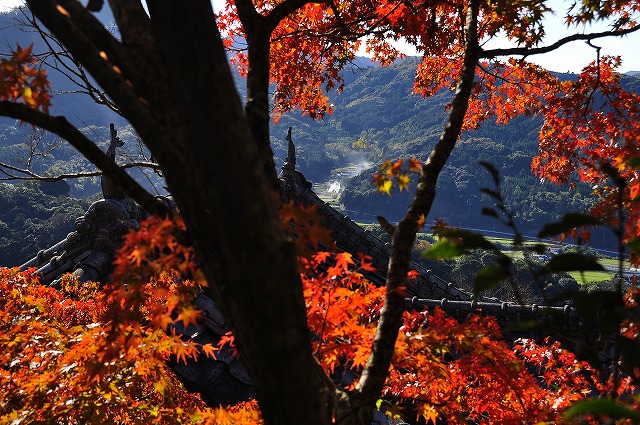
(570, 58)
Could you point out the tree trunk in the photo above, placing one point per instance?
(230, 209)
(375, 373)
(188, 113)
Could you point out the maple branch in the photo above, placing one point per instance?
(528, 51)
(28, 174)
(284, 9)
(71, 16)
(74, 73)
(246, 11)
(522, 85)
(105, 58)
(219, 200)
(60, 126)
(374, 375)
(258, 34)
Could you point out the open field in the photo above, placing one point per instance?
(586, 277)
(610, 264)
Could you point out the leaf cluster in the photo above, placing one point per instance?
(22, 81)
(87, 353)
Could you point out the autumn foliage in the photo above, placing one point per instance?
(442, 369)
(21, 80)
(87, 353)
(91, 353)
(597, 121)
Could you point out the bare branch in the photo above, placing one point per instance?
(57, 57)
(527, 51)
(28, 174)
(61, 127)
(33, 143)
(106, 59)
(258, 35)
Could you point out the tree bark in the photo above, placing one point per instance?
(258, 35)
(190, 116)
(230, 209)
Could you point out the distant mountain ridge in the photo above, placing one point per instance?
(377, 116)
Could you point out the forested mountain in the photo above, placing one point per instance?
(376, 117)
(31, 219)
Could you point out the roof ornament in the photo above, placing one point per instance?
(111, 190)
(290, 161)
(292, 181)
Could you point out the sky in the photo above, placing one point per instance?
(570, 58)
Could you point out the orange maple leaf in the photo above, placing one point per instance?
(415, 165)
(365, 263)
(428, 412)
(189, 315)
(412, 275)
(209, 350)
(343, 260)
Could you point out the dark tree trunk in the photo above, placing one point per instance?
(372, 381)
(188, 112)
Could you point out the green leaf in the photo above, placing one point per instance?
(444, 250)
(634, 244)
(568, 222)
(572, 261)
(488, 277)
(495, 174)
(634, 163)
(468, 239)
(601, 406)
(490, 212)
(599, 306)
(538, 248)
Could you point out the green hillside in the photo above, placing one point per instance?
(376, 117)
(31, 219)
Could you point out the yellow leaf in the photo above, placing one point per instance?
(395, 411)
(428, 412)
(385, 187)
(27, 95)
(160, 386)
(403, 181)
(189, 315)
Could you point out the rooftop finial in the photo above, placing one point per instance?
(111, 190)
(290, 162)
